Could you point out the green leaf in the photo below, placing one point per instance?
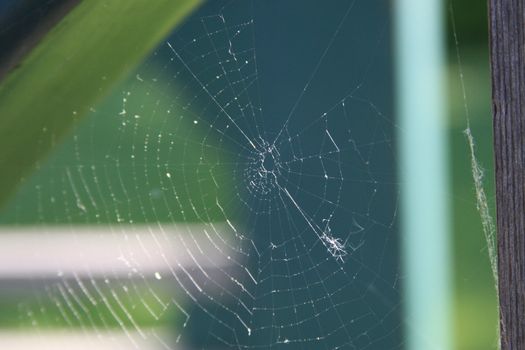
(71, 69)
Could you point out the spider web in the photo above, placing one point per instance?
(251, 155)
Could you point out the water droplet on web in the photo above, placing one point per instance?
(158, 276)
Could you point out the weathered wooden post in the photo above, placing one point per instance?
(507, 44)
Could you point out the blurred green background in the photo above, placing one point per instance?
(475, 301)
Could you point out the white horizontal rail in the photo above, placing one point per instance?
(83, 340)
(94, 251)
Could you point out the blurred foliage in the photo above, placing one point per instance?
(476, 321)
(101, 174)
(97, 43)
(476, 307)
(471, 22)
(475, 299)
(50, 310)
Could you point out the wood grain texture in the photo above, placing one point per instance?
(507, 35)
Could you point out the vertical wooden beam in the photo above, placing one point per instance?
(507, 35)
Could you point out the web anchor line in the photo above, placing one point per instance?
(314, 72)
(211, 96)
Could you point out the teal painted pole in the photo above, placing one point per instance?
(423, 173)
